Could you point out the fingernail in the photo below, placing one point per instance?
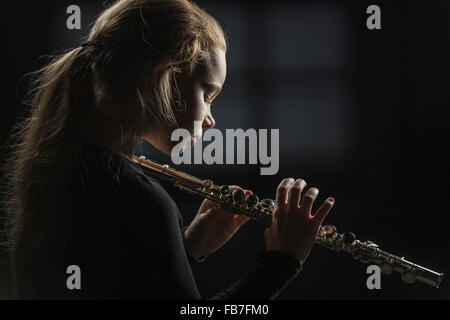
(330, 199)
(313, 192)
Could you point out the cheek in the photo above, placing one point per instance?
(195, 110)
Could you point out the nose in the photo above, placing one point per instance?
(209, 122)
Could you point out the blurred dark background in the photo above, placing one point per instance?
(363, 115)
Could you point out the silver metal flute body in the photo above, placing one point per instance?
(249, 205)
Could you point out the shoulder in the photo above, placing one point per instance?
(117, 185)
(144, 187)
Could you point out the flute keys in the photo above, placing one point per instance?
(348, 238)
(321, 234)
(409, 277)
(364, 257)
(251, 200)
(356, 254)
(329, 231)
(267, 203)
(207, 183)
(386, 268)
(225, 190)
(238, 195)
(371, 244)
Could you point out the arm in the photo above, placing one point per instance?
(288, 240)
(270, 273)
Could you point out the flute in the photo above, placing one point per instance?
(238, 202)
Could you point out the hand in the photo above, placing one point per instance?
(211, 228)
(293, 228)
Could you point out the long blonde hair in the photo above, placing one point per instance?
(126, 72)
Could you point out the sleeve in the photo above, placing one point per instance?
(161, 268)
(269, 274)
(164, 265)
(191, 259)
(136, 244)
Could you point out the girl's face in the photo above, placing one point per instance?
(198, 90)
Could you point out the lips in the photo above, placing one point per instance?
(195, 137)
(193, 140)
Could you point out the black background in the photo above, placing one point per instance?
(363, 115)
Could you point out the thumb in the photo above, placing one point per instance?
(210, 213)
(240, 219)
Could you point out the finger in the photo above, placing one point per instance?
(211, 204)
(206, 204)
(323, 211)
(308, 199)
(240, 219)
(210, 214)
(296, 192)
(282, 192)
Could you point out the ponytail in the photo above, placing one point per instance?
(42, 155)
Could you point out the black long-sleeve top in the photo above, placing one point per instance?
(127, 240)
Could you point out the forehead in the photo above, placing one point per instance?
(214, 69)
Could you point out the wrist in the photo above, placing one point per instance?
(286, 254)
(191, 249)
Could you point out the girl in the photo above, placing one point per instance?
(76, 198)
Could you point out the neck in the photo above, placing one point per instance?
(110, 135)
